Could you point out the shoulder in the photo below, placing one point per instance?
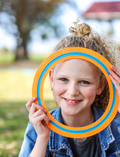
(115, 125)
(114, 147)
(117, 115)
(116, 121)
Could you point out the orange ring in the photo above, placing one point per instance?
(98, 60)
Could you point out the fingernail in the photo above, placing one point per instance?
(33, 98)
(112, 66)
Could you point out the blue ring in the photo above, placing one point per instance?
(88, 56)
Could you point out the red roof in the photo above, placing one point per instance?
(103, 11)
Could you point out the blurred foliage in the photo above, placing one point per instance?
(15, 91)
(26, 15)
(4, 50)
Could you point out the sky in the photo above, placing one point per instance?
(68, 16)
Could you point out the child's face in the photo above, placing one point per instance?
(75, 84)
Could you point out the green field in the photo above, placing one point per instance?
(15, 91)
(6, 57)
(9, 57)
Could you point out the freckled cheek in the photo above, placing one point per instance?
(90, 94)
(57, 91)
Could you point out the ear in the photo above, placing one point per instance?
(51, 78)
(101, 87)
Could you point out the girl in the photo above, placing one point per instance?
(81, 91)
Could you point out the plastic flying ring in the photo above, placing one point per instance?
(76, 53)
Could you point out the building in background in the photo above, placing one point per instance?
(103, 11)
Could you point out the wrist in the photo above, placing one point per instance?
(39, 149)
(42, 138)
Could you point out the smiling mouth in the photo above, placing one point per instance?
(72, 101)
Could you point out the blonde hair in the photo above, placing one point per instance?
(82, 35)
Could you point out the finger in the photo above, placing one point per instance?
(39, 107)
(113, 68)
(114, 81)
(32, 109)
(33, 113)
(44, 119)
(37, 113)
(35, 108)
(115, 76)
(29, 103)
(40, 112)
(119, 107)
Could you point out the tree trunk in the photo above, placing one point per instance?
(21, 52)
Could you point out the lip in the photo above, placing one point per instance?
(72, 102)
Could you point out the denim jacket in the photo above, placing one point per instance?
(58, 145)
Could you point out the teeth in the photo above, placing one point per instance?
(72, 101)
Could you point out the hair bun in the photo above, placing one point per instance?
(83, 29)
(80, 29)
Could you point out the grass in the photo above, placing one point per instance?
(13, 120)
(7, 57)
(15, 91)
(38, 57)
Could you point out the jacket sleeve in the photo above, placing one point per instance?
(114, 147)
(29, 141)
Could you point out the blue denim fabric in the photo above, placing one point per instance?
(109, 138)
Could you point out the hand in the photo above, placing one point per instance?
(115, 77)
(38, 118)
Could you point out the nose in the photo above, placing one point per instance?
(73, 89)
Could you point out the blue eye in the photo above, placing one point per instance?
(63, 79)
(84, 82)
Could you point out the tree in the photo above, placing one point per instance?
(27, 15)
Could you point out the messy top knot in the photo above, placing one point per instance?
(80, 29)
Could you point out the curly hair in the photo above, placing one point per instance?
(82, 35)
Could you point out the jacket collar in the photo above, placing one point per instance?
(58, 142)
